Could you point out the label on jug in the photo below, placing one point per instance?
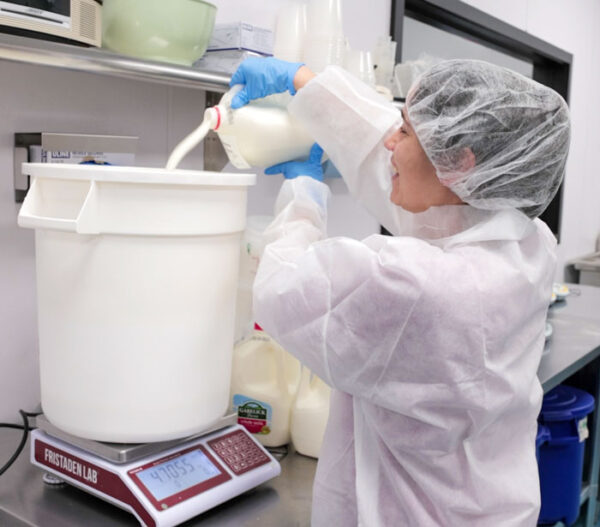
(254, 415)
(582, 430)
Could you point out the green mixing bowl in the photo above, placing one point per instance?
(175, 31)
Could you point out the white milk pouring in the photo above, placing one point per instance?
(259, 134)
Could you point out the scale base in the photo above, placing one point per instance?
(126, 452)
(166, 487)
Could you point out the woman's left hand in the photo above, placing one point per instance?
(292, 169)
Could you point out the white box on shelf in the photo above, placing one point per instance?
(241, 36)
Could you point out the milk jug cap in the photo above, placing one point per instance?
(214, 116)
(257, 327)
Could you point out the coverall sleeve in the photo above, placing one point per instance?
(350, 121)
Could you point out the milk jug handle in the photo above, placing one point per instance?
(319, 385)
(229, 95)
(281, 377)
(304, 379)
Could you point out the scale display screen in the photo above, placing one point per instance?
(178, 474)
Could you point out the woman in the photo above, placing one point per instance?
(431, 338)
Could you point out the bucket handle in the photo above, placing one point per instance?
(85, 223)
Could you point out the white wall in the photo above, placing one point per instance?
(45, 99)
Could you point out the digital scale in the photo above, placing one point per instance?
(161, 484)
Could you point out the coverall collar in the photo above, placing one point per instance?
(452, 225)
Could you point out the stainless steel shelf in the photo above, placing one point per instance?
(92, 60)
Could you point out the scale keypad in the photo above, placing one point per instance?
(238, 452)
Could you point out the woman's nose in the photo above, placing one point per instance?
(391, 140)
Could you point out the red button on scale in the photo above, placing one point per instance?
(250, 455)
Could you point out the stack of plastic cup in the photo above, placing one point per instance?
(385, 59)
(360, 64)
(406, 73)
(324, 43)
(290, 31)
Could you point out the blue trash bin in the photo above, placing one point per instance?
(564, 413)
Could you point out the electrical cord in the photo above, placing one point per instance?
(25, 427)
(11, 425)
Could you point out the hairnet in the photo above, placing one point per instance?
(517, 129)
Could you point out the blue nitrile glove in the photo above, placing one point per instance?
(292, 169)
(262, 77)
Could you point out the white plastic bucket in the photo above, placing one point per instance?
(137, 271)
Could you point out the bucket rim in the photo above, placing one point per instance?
(140, 175)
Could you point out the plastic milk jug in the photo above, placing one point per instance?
(251, 250)
(259, 134)
(310, 412)
(263, 385)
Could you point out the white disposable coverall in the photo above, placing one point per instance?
(431, 341)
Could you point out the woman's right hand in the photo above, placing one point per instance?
(261, 77)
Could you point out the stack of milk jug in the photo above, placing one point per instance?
(274, 396)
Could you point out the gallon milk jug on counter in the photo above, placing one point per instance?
(259, 134)
(263, 385)
(251, 250)
(310, 412)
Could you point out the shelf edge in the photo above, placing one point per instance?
(92, 60)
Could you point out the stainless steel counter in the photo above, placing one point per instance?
(26, 501)
(575, 341)
(286, 500)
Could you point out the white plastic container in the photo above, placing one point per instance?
(324, 18)
(290, 31)
(137, 272)
(310, 413)
(263, 385)
(360, 64)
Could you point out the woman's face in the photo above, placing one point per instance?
(415, 185)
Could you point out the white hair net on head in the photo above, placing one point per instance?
(517, 130)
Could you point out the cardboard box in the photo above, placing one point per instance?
(46, 147)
